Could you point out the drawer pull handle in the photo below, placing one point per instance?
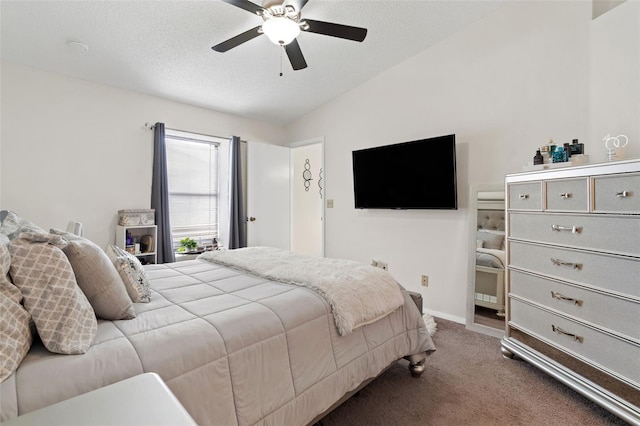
(573, 229)
(523, 196)
(559, 262)
(559, 296)
(565, 195)
(623, 194)
(575, 337)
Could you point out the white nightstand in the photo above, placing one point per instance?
(141, 400)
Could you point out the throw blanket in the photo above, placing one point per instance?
(358, 294)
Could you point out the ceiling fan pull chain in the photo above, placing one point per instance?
(281, 60)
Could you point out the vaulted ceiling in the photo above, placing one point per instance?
(163, 48)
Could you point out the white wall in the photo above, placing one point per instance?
(73, 149)
(504, 86)
(615, 79)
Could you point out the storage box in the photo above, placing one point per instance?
(135, 217)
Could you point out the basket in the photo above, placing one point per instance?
(135, 217)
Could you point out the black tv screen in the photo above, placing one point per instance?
(411, 175)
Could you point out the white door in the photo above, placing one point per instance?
(307, 194)
(268, 197)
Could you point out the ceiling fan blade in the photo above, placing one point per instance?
(297, 4)
(238, 40)
(336, 30)
(246, 5)
(295, 55)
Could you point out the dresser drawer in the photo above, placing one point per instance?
(616, 273)
(616, 355)
(525, 196)
(569, 195)
(617, 193)
(616, 314)
(618, 234)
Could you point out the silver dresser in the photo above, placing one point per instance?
(573, 279)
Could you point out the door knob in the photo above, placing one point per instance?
(252, 219)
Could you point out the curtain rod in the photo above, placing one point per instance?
(151, 127)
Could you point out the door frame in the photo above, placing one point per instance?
(311, 141)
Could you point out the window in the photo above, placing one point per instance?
(192, 165)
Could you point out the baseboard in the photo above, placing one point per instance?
(459, 320)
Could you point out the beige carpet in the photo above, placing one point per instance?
(468, 382)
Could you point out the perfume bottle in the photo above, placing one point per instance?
(576, 148)
(567, 150)
(538, 158)
(559, 155)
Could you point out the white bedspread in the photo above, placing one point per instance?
(235, 349)
(358, 294)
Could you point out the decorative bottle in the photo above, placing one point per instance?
(577, 148)
(559, 155)
(538, 158)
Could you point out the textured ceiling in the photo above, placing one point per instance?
(164, 48)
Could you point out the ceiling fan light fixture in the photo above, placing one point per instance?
(281, 30)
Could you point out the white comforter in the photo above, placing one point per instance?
(235, 349)
(358, 294)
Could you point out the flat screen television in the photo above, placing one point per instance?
(411, 175)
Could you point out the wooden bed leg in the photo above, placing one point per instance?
(416, 364)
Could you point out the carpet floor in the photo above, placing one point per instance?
(467, 381)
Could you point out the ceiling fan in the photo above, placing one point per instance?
(283, 23)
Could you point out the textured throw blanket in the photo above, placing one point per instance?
(358, 294)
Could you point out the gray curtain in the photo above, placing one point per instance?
(237, 215)
(160, 196)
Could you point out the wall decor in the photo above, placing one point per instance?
(320, 183)
(306, 175)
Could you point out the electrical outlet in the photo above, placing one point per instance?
(425, 281)
(329, 204)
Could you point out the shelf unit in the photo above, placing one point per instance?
(137, 232)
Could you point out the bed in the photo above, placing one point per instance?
(235, 349)
(490, 260)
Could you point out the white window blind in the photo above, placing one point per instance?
(192, 163)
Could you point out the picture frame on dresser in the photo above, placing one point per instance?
(573, 292)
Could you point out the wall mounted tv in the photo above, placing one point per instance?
(411, 175)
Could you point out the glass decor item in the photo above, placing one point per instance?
(559, 155)
(616, 146)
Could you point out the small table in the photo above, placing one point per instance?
(140, 400)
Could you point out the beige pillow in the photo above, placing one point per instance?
(62, 314)
(491, 239)
(14, 319)
(132, 273)
(99, 280)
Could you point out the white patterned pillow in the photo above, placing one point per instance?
(63, 316)
(132, 274)
(14, 319)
